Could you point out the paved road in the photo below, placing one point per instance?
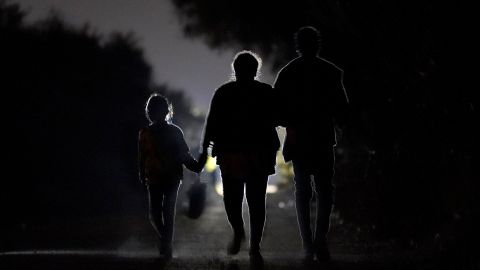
(127, 242)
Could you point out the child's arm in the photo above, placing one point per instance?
(193, 165)
(187, 159)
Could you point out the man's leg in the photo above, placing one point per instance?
(169, 203)
(256, 188)
(324, 190)
(233, 190)
(303, 197)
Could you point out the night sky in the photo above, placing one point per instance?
(406, 191)
(180, 62)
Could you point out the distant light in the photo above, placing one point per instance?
(211, 164)
(219, 188)
(272, 189)
(196, 111)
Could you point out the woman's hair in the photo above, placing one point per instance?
(246, 64)
(158, 108)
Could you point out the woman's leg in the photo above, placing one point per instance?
(256, 188)
(233, 190)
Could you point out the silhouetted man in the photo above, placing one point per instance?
(243, 138)
(312, 98)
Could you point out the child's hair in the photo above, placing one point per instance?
(158, 109)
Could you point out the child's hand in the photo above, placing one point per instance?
(202, 160)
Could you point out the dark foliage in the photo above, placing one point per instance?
(73, 103)
(405, 170)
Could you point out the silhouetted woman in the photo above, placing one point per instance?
(242, 135)
(162, 152)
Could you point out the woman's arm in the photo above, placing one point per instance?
(211, 124)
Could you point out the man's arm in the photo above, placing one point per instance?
(141, 157)
(341, 101)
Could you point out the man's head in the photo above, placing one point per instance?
(307, 41)
(246, 65)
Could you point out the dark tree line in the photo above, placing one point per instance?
(73, 103)
(406, 169)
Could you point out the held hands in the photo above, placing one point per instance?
(202, 160)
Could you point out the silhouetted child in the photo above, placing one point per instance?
(162, 152)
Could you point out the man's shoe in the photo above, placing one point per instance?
(166, 252)
(308, 258)
(256, 259)
(323, 254)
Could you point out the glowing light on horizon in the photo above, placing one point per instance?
(271, 189)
